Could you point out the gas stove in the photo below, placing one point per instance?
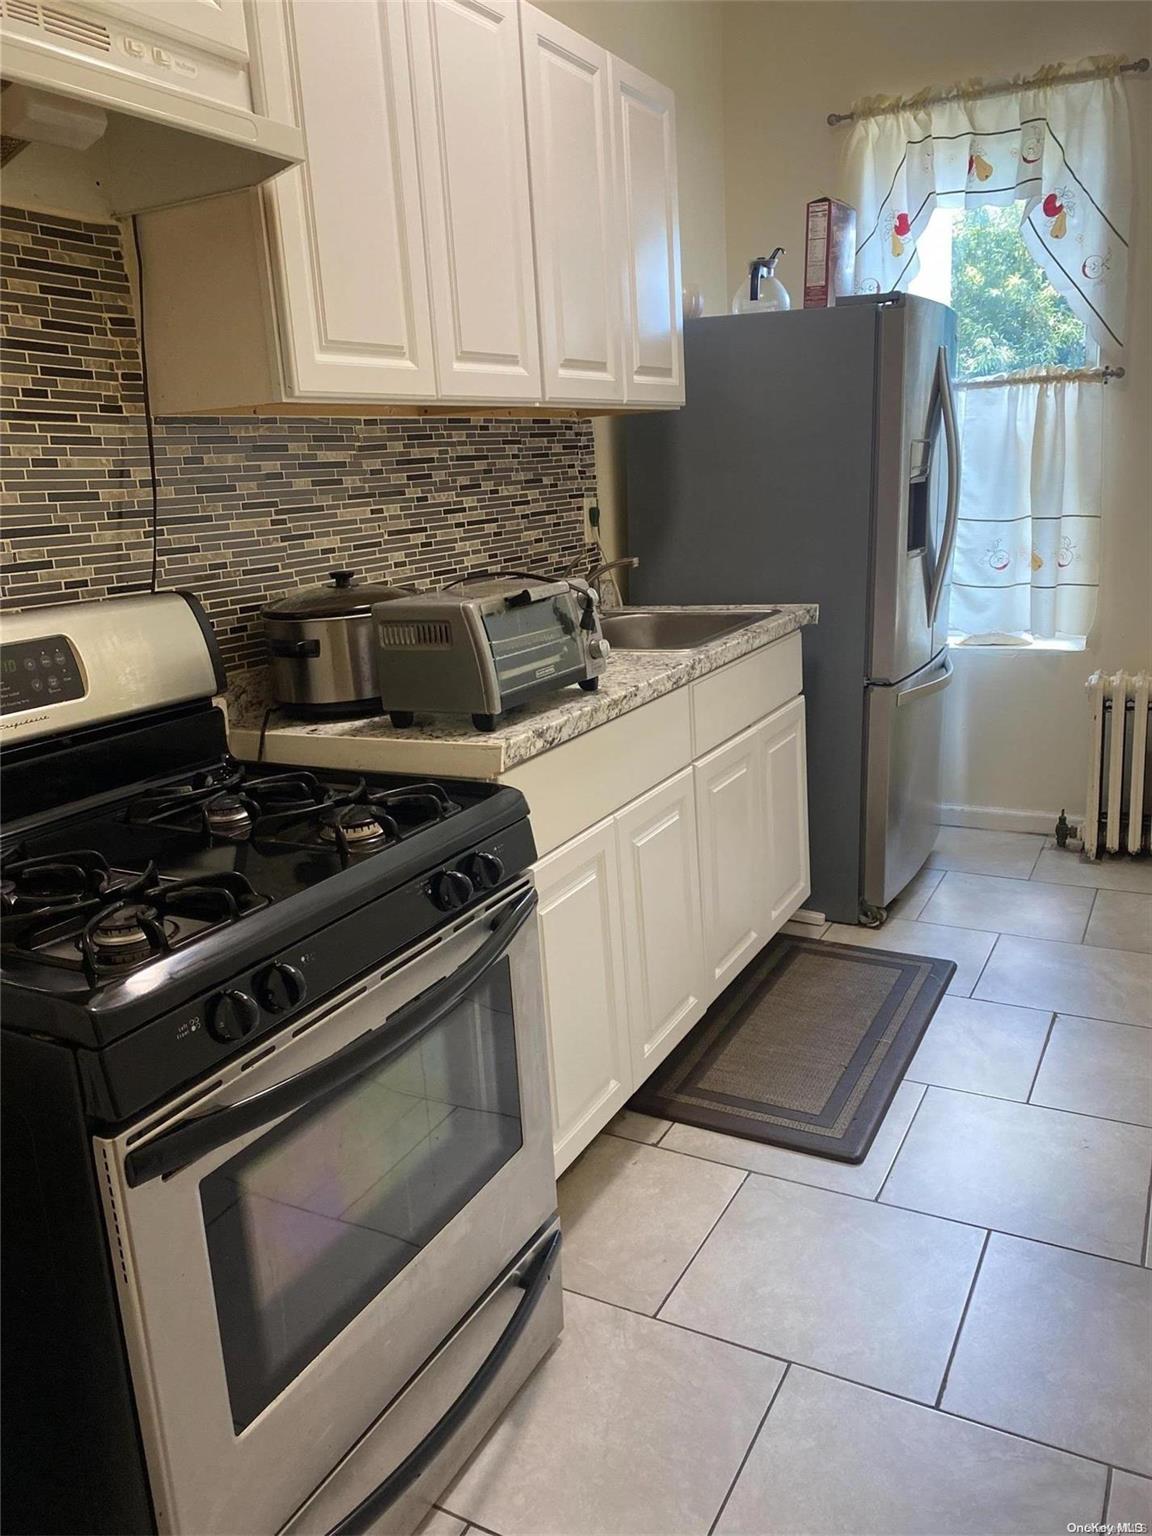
(275, 1103)
(161, 896)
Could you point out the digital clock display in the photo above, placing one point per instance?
(34, 673)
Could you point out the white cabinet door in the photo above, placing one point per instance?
(474, 170)
(644, 131)
(355, 320)
(578, 251)
(663, 941)
(584, 987)
(730, 817)
(784, 779)
(214, 25)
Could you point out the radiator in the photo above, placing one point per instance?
(1118, 811)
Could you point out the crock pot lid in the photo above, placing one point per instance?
(338, 597)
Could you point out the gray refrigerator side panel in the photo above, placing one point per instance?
(759, 490)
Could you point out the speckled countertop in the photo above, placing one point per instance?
(450, 745)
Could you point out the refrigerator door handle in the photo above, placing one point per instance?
(952, 440)
(922, 690)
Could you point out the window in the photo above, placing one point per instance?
(1009, 316)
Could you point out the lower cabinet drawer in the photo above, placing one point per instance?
(735, 697)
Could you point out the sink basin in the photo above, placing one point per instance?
(642, 629)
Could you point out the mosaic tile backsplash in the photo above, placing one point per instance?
(247, 508)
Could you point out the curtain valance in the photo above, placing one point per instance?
(1064, 149)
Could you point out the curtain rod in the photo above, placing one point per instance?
(1049, 76)
(1042, 376)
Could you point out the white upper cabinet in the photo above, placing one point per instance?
(352, 286)
(578, 247)
(486, 215)
(474, 169)
(644, 121)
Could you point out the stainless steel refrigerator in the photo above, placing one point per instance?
(816, 460)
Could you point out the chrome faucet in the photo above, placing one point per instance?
(598, 572)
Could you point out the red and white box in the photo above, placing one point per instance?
(829, 252)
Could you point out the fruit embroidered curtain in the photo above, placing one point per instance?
(1027, 562)
(1062, 147)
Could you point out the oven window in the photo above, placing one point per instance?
(308, 1224)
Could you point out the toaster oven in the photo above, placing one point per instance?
(481, 648)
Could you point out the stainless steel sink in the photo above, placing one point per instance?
(643, 629)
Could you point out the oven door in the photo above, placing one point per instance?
(295, 1240)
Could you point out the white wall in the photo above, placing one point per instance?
(680, 43)
(1017, 727)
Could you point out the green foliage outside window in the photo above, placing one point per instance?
(1009, 315)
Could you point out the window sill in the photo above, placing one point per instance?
(1066, 643)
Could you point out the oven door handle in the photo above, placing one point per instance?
(534, 1281)
(195, 1138)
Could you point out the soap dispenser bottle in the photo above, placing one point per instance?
(763, 293)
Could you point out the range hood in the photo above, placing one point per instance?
(126, 105)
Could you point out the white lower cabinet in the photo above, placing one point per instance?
(730, 814)
(784, 772)
(660, 897)
(647, 916)
(584, 987)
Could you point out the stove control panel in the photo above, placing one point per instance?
(38, 672)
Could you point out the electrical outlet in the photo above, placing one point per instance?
(591, 520)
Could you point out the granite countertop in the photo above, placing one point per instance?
(449, 744)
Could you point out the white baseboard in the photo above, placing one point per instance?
(993, 818)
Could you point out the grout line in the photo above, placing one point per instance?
(470, 1525)
(1147, 1224)
(706, 1236)
(892, 1205)
(987, 962)
(1040, 1063)
(963, 1319)
(1088, 918)
(748, 1452)
(903, 1139)
(1056, 1109)
(901, 1397)
(1107, 1496)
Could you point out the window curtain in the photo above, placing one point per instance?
(1064, 149)
(1027, 557)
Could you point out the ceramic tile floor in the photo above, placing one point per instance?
(954, 1336)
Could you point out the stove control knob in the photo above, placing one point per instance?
(450, 890)
(232, 1015)
(280, 987)
(484, 870)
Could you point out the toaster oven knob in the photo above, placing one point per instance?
(599, 649)
(484, 870)
(450, 890)
(280, 987)
(232, 1015)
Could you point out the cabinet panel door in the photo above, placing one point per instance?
(577, 250)
(355, 319)
(730, 819)
(784, 776)
(644, 127)
(584, 990)
(474, 171)
(663, 941)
